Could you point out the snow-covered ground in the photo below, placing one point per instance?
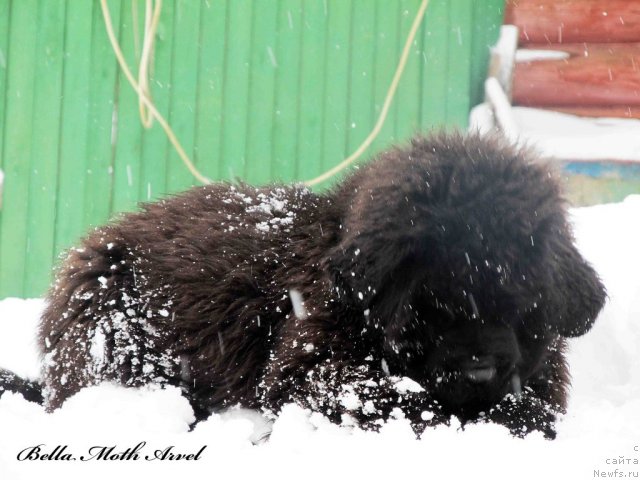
(601, 430)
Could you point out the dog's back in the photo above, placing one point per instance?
(183, 292)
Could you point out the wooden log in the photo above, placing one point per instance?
(593, 75)
(573, 21)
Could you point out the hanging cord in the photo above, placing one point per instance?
(385, 107)
(148, 111)
(142, 95)
(150, 26)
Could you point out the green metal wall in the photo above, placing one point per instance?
(259, 90)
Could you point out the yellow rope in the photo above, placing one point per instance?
(145, 103)
(385, 107)
(142, 95)
(150, 27)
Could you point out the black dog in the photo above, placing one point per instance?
(449, 262)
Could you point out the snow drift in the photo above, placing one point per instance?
(597, 436)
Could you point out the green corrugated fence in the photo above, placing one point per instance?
(258, 90)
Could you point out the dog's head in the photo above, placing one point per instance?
(457, 250)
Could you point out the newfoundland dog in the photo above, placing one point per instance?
(438, 280)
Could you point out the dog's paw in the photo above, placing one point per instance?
(523, 415)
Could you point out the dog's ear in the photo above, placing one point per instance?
(575, 294)
(363, 269)
(378, 272)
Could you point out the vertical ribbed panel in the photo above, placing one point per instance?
(270, 90)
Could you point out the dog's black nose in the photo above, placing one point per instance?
(479, 369)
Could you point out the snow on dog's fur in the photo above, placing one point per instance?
(439, 279)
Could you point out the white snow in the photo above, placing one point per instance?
(571, 137)
(600, 432)
(18, 329)
(532, 55)
(503, 54)
(564, 136)
(274, 202)
(349, 399)
(405, 384)
(503, 115)
(97, 349)
(297, 301)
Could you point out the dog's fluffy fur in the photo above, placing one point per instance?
(449, 261)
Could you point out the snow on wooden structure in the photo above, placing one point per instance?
(574, 60)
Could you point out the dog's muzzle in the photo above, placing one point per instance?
(479, 370)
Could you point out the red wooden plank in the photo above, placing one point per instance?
(567, 21)
(593, 75)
